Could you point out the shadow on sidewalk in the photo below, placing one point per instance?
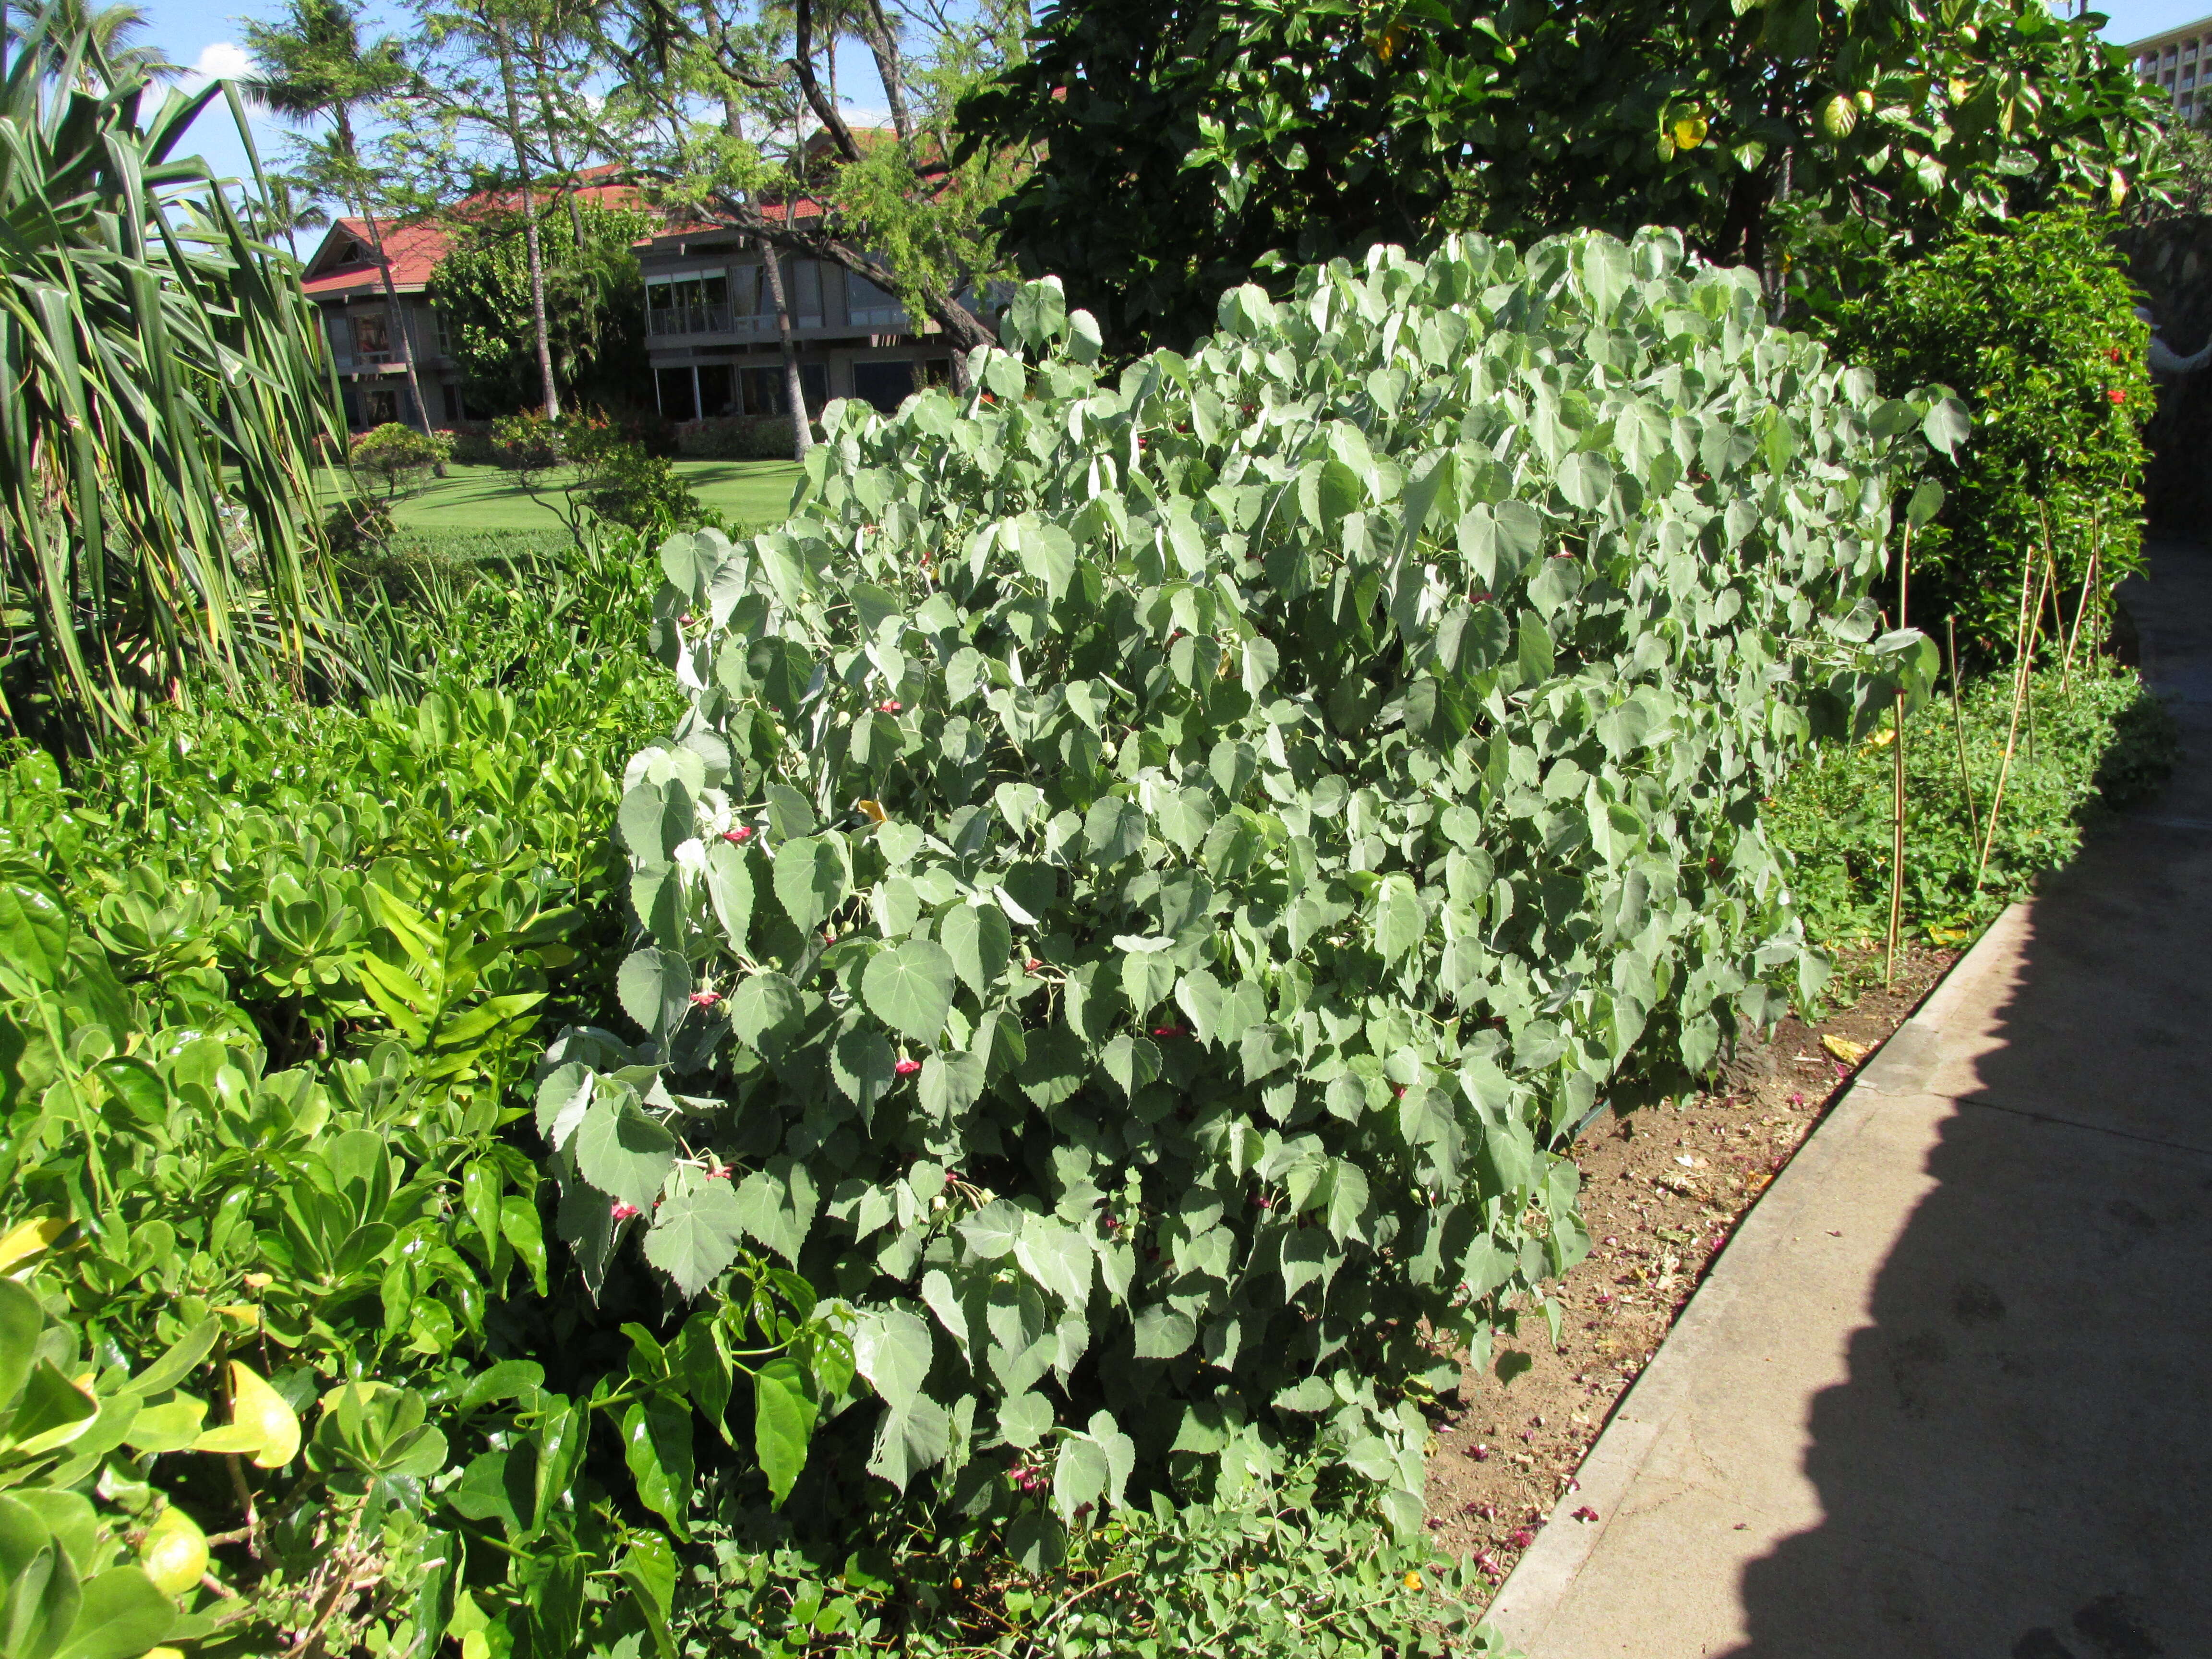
(2018, 1466)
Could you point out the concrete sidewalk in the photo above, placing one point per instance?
(1946, 1393)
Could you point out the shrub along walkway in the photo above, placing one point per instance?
(1943, 1393)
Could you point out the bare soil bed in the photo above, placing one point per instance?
(1663, 1189)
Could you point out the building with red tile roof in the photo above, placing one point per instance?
(711, 329)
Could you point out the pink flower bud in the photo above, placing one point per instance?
(739, 836)
(1167, 1030)
(705, 998)
(906, 1067)
(1586, 1513)
(621, 1212)
(887, 706)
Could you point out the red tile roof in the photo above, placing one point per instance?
(416, 248)
(413, 251)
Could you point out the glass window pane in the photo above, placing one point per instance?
(718, 391)
(676, 394)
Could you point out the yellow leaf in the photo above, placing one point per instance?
(253, 1401)
(1689, 131)
(239, 1437)
(870, 810)
(1843, 1049)
(243, 1313)
(1882, 738)
(29, 1237)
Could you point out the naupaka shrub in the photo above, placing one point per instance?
(1156, 868)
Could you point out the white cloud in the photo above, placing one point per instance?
(223, 61)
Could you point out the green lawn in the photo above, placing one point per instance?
(749, 494)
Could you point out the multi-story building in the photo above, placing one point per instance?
(343, 279)
(2173, 63)
(712, 334)
(711, 326)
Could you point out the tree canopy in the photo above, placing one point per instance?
(1183, 145)
(595, 307)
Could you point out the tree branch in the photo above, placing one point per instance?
(802, 64)
(883, 44)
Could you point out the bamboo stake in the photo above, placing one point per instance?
(2029, 616)
(1897, 841)
(1958, 724)
(2081, 606)
(2057, 615)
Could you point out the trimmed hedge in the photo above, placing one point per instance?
(737, 438)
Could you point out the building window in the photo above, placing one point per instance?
(372, 337)
(439, 333)
(867, 306)
(885, 385)
(764, 389)
(453, 403)
(698, 302)
(679, 393)
(763, 392)
(718, 391)
(379, 407)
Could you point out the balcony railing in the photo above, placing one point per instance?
(761, 325)
(687, 320)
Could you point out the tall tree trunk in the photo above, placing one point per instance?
(395, 314)
(531, 247)
(537, 74)
(883, 45)
(794, 393)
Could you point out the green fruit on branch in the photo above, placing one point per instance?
(174, 1552)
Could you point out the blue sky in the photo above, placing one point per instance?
(206, 34)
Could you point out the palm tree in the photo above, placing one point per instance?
(313, 67)
(111, 28)
(166, 398)
(290, 208)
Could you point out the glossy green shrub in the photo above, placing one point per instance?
(1155, 869)
(2033, 325)
(271, 985)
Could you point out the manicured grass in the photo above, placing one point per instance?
(750, 495)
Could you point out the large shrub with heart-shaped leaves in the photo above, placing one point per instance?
(1157, 866)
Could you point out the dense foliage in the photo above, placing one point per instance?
(1183, 146)
(396, 457)
(1154, 868)
(166, 392)
(600, 473)
(263, 986)
(2034, 326)
(267, 987)
(594, 308)
(2093, 739)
